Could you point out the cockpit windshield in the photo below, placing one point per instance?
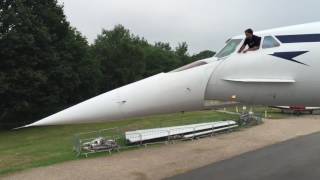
(230, 47)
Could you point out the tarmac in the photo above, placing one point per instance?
(296, 159)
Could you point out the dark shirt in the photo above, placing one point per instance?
(252, 42)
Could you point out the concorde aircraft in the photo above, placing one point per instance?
(284, 71)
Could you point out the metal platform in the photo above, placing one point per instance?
(184, 131)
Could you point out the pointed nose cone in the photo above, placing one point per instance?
(177, 91)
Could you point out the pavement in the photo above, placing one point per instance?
(297, 159)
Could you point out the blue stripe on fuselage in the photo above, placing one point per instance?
(299, 38)
(290, 55)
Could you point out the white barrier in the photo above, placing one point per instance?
(208, 132)
(157, 133)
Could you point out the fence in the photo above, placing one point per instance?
(82, 140)
(250, 119)
(145, 137)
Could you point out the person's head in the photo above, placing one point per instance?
(249, 33)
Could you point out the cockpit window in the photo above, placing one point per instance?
(230, 47)
(189, 66)
(269, 42)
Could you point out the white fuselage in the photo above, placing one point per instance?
(284, 71)
(258, 77)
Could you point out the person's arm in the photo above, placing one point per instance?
(242, 48)
(251, 49)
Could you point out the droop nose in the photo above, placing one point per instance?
(163, 93)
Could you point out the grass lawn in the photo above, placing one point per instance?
(41, 146)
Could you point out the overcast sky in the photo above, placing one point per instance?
(203, 24)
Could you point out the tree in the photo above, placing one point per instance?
(182, 52)
(120, 55)
(45, 63)
(163, 46)
(160, 58)
(125, 58)
(182, 49)
(203, 55)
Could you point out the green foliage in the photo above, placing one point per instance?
(45, 63)
(203, 55)
(120, 55)
(181, 52)
(125, 58)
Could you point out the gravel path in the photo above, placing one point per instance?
(169, 160)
